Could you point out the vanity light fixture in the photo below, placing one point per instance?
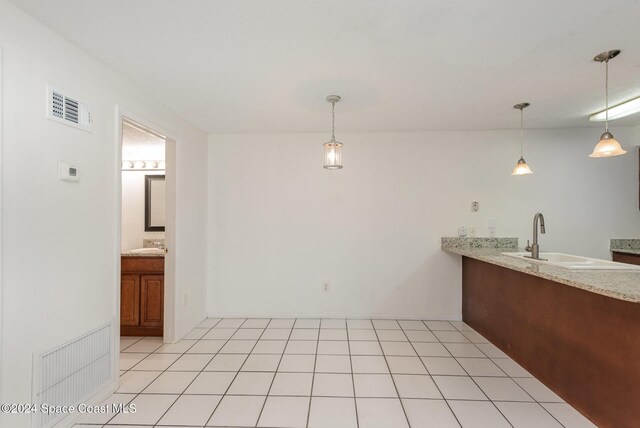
(333, 148)
(521, 167)
(141, 165)
(608, 146)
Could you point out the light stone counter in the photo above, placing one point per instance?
(623, 285)
(131, 254)
(627, 246)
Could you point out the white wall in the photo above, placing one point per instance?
(60, 239)
(280, 225)
(133, 210)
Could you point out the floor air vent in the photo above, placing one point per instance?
(68, 110)
(70, 374)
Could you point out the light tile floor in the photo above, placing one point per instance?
(329, 373)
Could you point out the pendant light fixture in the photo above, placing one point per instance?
(333, 148)
(521, 167)
(608, 146)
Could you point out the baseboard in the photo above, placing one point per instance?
(331, 315)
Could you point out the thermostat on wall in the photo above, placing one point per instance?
(67, 172)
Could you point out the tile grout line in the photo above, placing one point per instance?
(276, 372)
(509, 377)
(473, 380)
(165, 370)
(237, 372)
(390, 375)
(353, 382)
(428, 372)
(196, 376)
(313, 373)
(154, 379)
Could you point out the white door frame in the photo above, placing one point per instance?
(170, 288)
(1, 205)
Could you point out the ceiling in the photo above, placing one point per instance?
(410, 65)
(140, 144)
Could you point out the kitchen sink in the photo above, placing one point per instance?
(568, 261)
(148, 251)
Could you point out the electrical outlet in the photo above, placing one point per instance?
(475, 206)
(325, 287)
(492, 227)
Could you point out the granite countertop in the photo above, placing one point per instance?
(627, 246)
(623, 285)
(131, 254)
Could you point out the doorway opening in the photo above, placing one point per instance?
(146, 291)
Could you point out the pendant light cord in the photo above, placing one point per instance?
(521, 131)
(606, 95)
(333, 121)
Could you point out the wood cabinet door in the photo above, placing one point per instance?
(130, 300)
(151, 300)
(631, 259)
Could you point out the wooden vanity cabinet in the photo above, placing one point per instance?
(141, 296)
(633, 259)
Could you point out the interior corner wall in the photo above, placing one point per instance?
(280, 226)
(61, 238)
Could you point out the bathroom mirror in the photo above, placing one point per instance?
(154, 203)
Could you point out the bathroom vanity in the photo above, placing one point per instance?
(142, 294)
(576, 331)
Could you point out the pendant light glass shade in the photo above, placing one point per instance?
(608, 145)
(521, 167)
(333, 154)
(333, 148)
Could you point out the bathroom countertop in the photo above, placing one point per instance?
(623, 285)
(130, 254)
(627, 246)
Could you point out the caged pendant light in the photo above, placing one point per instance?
(608, 146)
(521, 167)
(333, 148)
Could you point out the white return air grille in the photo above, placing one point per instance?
(68, 110)
(70, 374)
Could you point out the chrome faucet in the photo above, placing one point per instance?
(535, 248)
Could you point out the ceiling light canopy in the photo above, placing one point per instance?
(521, 167)
(608, 145)
(333, 148)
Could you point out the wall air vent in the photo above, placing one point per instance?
(68, 110)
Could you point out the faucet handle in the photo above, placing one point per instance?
(528, 247)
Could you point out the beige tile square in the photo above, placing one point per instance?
(237, 411)
(333, 385)
(374, 385)
(332, 413)
(211, 383)
(416, 386)
(292, 384)
(285, 412)
(381, 413)
(251, 383)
